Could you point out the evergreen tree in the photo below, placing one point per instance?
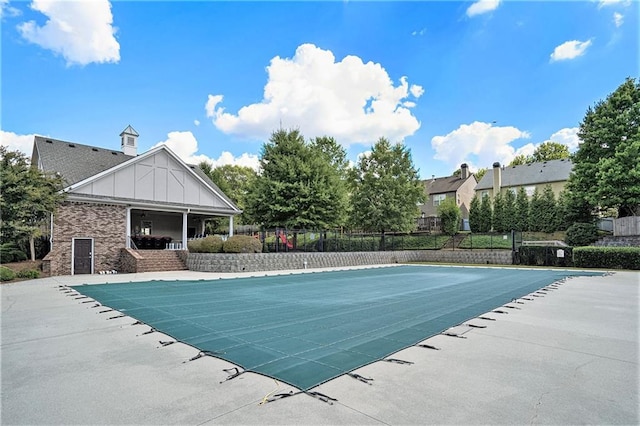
(509, 206)
(486, 214)
(498, 213)
(236, 183)
(536, 221)
(549, 220)
(606, 170)
(475, 214)
(522, 210)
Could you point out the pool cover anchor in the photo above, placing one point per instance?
(151, 330)
(281, 396)
(423, 345)
(397, 361)
(322, 397)
(231, 375)
(459, 336)
(167, 343)
(487, 318)
(200, 355)
(476, 326)
(360, 378)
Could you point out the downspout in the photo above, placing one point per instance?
(51, 233)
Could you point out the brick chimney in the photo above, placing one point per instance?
(497, 178)
(464, 171)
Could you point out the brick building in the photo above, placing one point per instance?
(115, 198)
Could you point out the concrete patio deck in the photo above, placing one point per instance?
(568, 357)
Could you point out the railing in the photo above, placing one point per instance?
(286, 240)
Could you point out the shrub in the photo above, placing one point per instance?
(6, 274)
(194, 246)
(28, 274)
(242, 244)
(607, 257)
(9, 252)
(581, 234)
(211, 244)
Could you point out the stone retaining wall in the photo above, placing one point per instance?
(219, 262)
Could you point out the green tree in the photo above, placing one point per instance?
(498, 213)
(549, 218)
(449, 214)
(486, 214)
(299, 186)
(536, 218)
(550, 151)
(475, 214)
(27, 198)
(522, 210)
(386, 189)
(610, 132)
(519, 160)
(480, 173)
(236, 182)
(509, 206)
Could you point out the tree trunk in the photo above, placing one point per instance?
(32, 248)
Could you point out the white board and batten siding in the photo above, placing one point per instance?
(626, 226)
(156, 178)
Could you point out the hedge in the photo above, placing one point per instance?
(209, 244)
(242, 244)
(607, 257)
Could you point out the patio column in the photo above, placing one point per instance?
(128, 242)
(184, 230)
(231, 226)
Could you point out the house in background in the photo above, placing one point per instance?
(115, 198)
(528, 176)
(460, 188)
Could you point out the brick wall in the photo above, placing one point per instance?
(219, 262)
(105, 224)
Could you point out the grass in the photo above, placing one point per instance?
(25, 265)
(493, 241)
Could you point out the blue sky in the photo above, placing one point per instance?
(473, 82)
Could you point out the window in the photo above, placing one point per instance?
(438, 199)
(530, 190)
(484, 194)
(514, 191)
(130, 141)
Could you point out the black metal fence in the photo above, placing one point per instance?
(286, 240)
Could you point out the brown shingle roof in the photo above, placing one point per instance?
(443, 185)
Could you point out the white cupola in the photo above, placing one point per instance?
(129, 141)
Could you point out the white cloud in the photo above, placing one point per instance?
(80, 31)
(604, 3)
(570, 50)
(567, 136)
(482, 6)
(15, 142)
(185, 146)
(419, 32)
(349, 100)
(196, 122)
(618, 19)
(6, 10)
(479, 145)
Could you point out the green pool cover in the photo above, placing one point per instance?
(306, 329)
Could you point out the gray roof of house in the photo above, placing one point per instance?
(74, 161)
(443, 185)
(529, 174)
